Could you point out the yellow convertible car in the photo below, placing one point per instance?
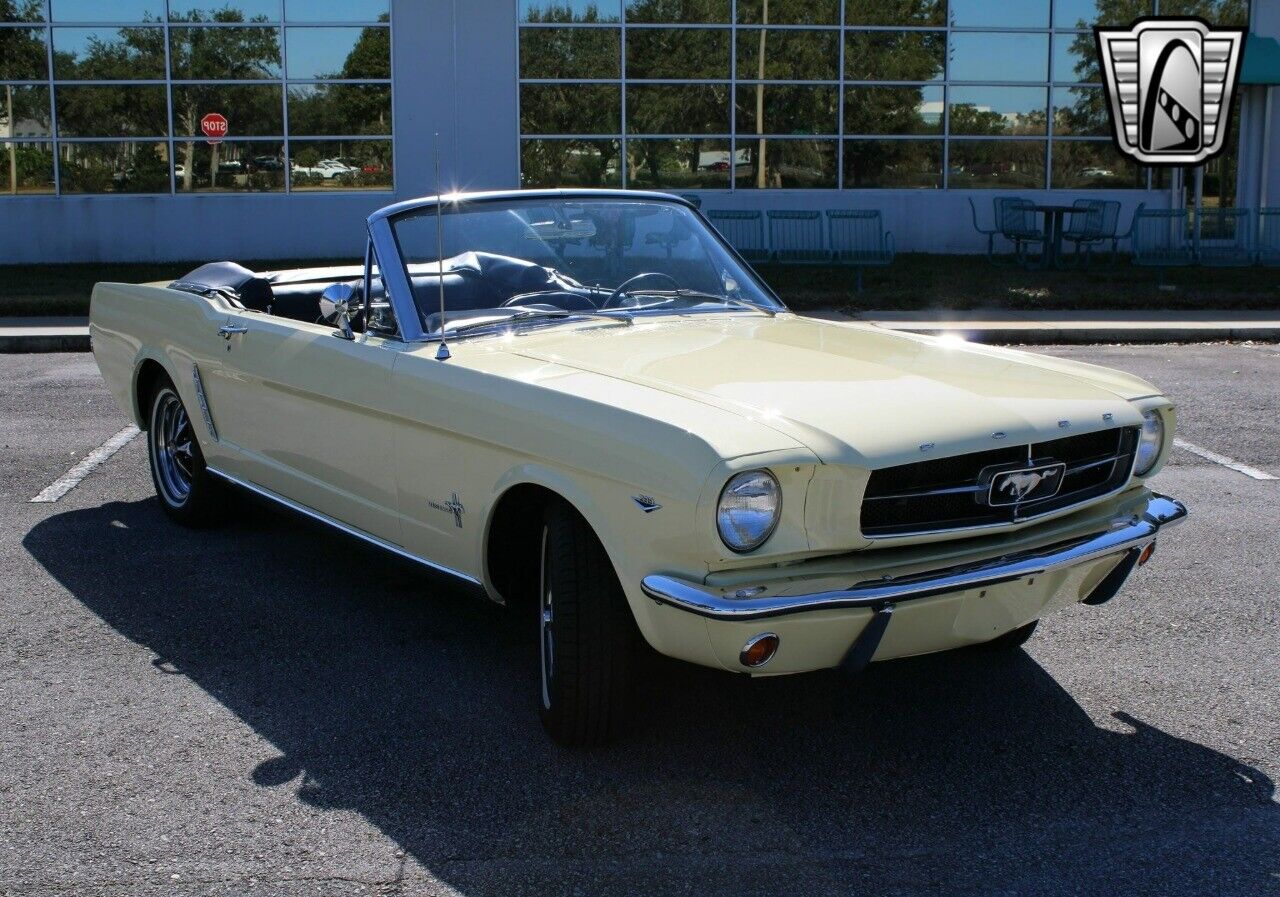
(585, 404)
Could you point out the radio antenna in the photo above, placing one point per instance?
(442, 353)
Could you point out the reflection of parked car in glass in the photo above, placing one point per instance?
(325, 168)
(1097, 173)
(268, 163)
(180, 170)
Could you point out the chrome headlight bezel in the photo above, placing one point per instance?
(1150, 447)
(737, 489)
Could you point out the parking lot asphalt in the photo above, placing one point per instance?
(268, 709)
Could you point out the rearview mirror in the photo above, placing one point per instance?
(337, 303)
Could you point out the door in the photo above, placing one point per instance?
(308, 413)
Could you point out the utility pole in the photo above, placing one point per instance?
(761, 178)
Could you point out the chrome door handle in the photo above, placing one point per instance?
(226, 330)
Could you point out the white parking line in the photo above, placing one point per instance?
(1223, 460)
(72, 477)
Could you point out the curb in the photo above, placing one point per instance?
(17, 343)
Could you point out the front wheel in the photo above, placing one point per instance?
(586, 635)
(188, 492)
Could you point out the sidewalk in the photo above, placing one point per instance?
(72, 334)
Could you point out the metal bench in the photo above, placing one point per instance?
(743, 230)
(1224, 237)
(796, 238)
(1160, 238)
(1268, 241)
(857, 237)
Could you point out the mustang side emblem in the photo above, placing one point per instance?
(1012, 486)
(452, 506)
(646, 503)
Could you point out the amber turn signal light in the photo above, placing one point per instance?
(1146, 554)
(759, 650)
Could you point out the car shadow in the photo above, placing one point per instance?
(963, 773)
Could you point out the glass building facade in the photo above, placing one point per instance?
(108, 96)
(824, 94)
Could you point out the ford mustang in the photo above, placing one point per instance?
(585, 405)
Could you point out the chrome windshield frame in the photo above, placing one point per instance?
(382, 232)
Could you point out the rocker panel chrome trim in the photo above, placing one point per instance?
(342, 527)
(1125, 532)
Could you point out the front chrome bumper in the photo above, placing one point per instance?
(1129, 532)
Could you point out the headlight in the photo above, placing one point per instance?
(1149, 443)
(750, 505)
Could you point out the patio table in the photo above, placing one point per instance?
(1053, 215)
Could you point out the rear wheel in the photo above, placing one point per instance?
(586, 635)
(1011, 640)
(188, 492)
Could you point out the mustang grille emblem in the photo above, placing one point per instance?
(1010, 487)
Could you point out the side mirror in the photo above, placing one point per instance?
(337, 303)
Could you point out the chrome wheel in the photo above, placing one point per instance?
(172, 445)
(546, 636)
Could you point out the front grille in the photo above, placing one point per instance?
(951, 493)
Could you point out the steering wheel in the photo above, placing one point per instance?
(622, 290)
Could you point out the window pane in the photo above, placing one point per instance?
(895, 55)
(678, 53)
(23, 55)
(570, 10)
(24, 111)
(788, 55)
(209, 54)
(677, 108)
(1219, 12)
(114, 11)
(338, 52)
(230, 167)
(992, 56)
(113, 167)
(332, 109)
(678, 164)
(905, 12)
(1087, 13)
(661, 12)
(340, 165)
(893, 163)
(22, 11)
(570, 109)
(108, 54)
(1093, 164)
(1075, 58)
(26, 167)
(112, 112)
(999, 110)
(789, 12)
(569, 163)
(336, 10)
(251, 110)
(980, 13)
(570, 53)
(1080, 111)
(224, 11)
(787, 109)
(788, 164)
(997, 163)
(893, 110)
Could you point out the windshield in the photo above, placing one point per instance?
(544, 260)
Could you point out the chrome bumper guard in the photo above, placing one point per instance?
(1127, 532)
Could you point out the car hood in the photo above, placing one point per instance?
(852, 393)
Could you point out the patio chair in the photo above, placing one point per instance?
(796, 238)
(1016, 219)
(1224, 237)
(857, 237)
(1160, 239)
(1268, 240)
(743, 230)
(1090, 225)
(990, 234)
(1128, 234)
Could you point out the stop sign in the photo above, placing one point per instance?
(214, 127)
